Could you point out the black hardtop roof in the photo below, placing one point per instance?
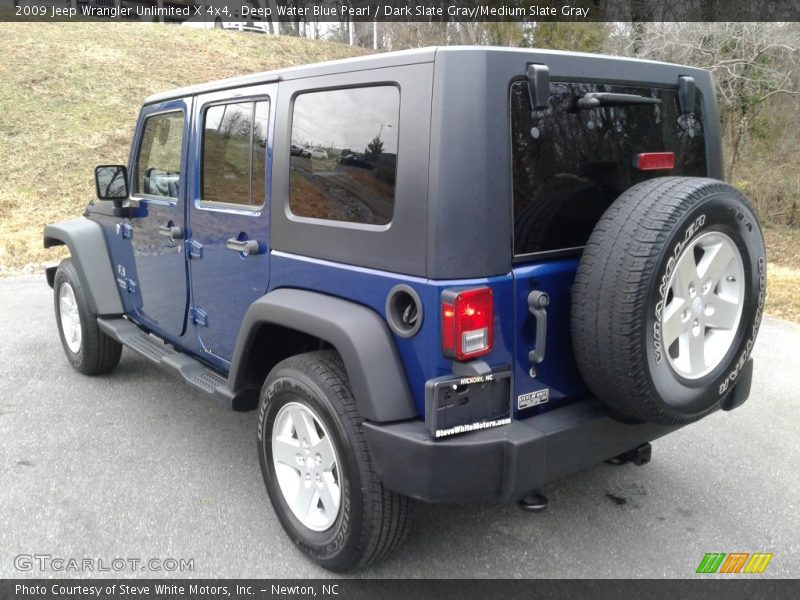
(393, 59)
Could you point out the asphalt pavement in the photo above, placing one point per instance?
(137, 465)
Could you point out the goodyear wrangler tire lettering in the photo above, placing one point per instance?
(668, 297)
(762, 291)
(662, 289)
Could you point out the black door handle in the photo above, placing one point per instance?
(537, 304)
(244, 247)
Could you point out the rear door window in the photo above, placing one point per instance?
(234, 153)
(571, 163)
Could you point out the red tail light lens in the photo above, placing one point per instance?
(467, 323)
(655, 161)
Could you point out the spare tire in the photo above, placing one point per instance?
(668, 298)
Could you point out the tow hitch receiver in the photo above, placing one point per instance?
(638, 456)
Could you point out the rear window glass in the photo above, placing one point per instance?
(344, 154)
(569, 164)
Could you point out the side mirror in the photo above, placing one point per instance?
(111, 182)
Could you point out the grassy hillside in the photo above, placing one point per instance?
(70, 97)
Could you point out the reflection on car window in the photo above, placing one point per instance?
(569, 165)
(234, 153)
(258, 189)
(344, 154)
(159, 160)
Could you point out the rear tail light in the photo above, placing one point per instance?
(654, 161)
(467, 323)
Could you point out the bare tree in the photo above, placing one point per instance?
(751, 62)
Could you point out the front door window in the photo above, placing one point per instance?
(159, 162)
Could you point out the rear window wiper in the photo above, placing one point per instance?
(595, 99)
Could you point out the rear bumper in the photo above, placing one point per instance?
(504, 463)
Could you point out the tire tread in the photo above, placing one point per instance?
(99, 354)
(385, 516)
(608, 303)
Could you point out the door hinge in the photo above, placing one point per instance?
(193, 249)
(199, 316)
(127, 284)
(124, 231)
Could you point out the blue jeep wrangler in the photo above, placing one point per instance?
(449, 274)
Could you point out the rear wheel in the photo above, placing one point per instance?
(88, 349)
(317, 467)
(668, 297)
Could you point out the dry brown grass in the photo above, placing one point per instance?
(783, 292)
(783, 272)
(783, 246)
(774, 189)
(308, 200)
(70, 96)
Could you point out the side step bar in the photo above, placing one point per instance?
(191, 370)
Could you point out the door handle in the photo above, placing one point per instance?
(537, 305)
(173, 232)
(243, 247)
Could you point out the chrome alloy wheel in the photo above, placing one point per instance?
(306, 466)
(703, 308)
(70, 317)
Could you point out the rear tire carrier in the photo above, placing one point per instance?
(668, 299)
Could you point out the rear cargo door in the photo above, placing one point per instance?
(570, 163)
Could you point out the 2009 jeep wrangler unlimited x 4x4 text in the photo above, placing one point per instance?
(446, 274)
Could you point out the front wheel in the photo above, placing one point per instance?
(88, 349)
(317, 467)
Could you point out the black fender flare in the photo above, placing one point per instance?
(89, 251)
(359, 334)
